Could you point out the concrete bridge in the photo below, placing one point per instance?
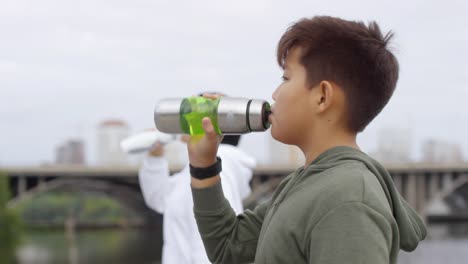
(439, 192)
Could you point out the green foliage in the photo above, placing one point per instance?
(101, 208)
(10, 225)
(4, 190)
(56, 207)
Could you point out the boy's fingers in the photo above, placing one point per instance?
(209, 129)
(212, 96)
(210, 132)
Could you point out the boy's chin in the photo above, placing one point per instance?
(278, 135)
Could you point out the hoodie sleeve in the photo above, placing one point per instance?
(154, 182)
(351, 233)
(227, 238)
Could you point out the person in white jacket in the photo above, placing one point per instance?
(171, 196)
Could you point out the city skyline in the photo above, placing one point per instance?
(393, 146)
(69, 64)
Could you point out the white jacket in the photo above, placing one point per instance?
(172, 197)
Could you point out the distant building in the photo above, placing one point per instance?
(436, 151)
(110, 133)
(71, 152)
(394, 146)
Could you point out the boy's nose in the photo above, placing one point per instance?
(275, 94)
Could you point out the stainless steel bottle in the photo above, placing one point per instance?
(229, 115)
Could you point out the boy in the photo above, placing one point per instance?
(342, 206)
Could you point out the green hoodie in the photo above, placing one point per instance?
(342, 208)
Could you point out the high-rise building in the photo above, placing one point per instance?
(394, 145)
(110, 133)
(436, 151)
(70, 152)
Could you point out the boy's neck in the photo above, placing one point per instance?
(317, 147)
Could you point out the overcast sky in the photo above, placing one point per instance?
(67, 65)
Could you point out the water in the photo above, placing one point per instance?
(194, 109)
(91, 246)
(446, 244)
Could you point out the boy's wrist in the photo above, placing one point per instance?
(206, 172)
(206, 183)
(202, 163)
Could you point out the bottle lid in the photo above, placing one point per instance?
(258, 115)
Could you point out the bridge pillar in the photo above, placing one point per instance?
(447, 181)
(421, 192)
(433, 185)
(411, 190)
(21, 186)
(41, 183)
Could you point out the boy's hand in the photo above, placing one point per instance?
(157, 150)
(202, 150)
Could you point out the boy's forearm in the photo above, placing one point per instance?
(227, 238)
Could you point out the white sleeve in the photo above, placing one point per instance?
(231, 181)
(231, 194)
(236, 175)
(154, 182)
(197, 252)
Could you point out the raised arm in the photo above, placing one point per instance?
(227, 238)
(154, 179)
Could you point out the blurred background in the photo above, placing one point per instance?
(76, 77)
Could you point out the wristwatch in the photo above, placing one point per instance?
(207, 172)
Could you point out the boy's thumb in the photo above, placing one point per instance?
(209, 129)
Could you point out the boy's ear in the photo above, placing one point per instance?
(325, 93)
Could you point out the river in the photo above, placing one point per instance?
(447, 244)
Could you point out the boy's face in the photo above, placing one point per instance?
(291, 117)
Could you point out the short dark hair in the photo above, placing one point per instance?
(350, 54)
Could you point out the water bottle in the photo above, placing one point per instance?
(229, 115)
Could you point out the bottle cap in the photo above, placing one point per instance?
(258, 112)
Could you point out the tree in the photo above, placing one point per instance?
(10, 227)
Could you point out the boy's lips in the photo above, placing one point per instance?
(272, 108)
(270, 114)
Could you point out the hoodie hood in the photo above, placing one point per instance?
(410, 225)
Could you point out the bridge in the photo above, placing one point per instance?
(438, 192)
